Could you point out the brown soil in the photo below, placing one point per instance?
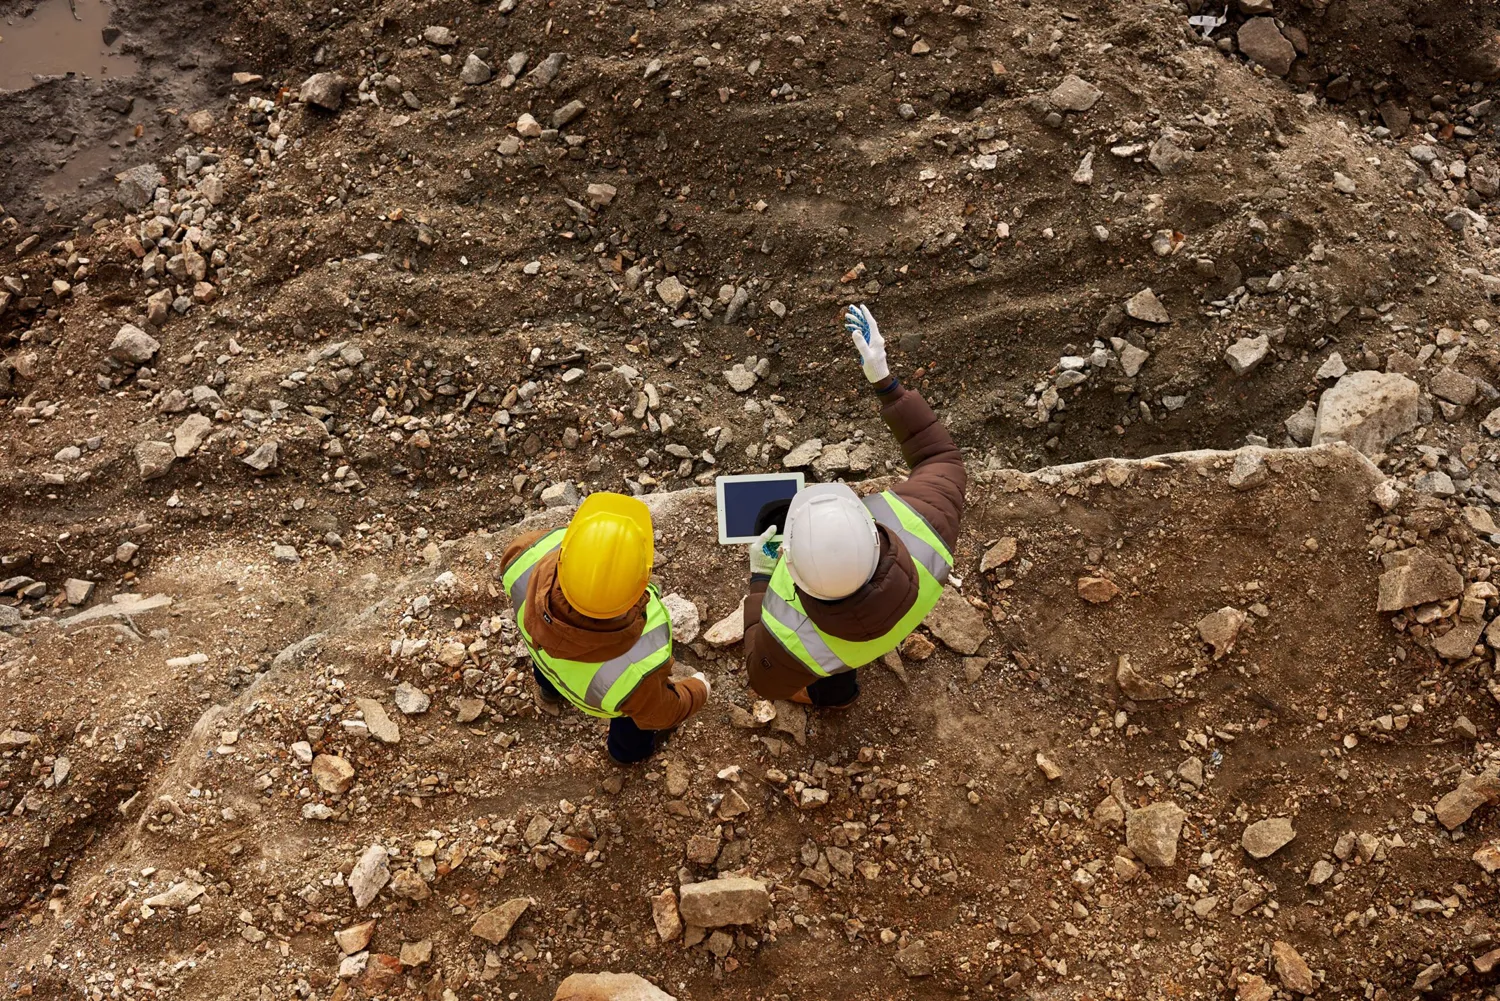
(407, 234)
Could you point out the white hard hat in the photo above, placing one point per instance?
(830, 543)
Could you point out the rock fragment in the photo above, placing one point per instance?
(664, 915)
(369, 876)
(1475, 791)
(1262, 42)
(1097, 590)
(324, 90)
(381, 726)
(355, 938)
(177, 895)
(1147, 308)
(1220, 629)
(1291, 969)
(1245, 354)
(1152, 832)
(1138, 686)
(133, 346)
(1367, 410)
(494, 925)
(1074, 94)
(720, 902)
(154, 458)
(1265, 838)
(332, 773)
(609, 987)
(959, 625)
(1420, 578)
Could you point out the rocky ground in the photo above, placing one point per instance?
(294, 342)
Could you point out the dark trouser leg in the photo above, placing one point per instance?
(628, 743)
(549, 690)
(835, 690)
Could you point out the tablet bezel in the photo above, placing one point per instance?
(724, 538)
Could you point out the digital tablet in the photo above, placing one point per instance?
(748, 504)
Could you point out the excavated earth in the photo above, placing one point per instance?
(301, 358)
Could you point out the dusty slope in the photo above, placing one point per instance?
(940, 827)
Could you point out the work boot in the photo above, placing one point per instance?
(547, 702)
(801, 698)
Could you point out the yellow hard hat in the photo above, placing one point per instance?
(605, 563)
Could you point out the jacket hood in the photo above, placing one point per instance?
(874, 609)
(565, 632)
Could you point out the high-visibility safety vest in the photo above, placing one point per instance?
(597, 689)
(782, 613)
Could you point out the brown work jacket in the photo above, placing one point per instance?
(559, 629)
(935, 490)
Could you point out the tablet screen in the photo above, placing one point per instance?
(749, 504)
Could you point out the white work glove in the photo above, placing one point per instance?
(868, 342)
(707, 685)
(764, 552)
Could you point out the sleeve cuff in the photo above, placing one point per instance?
(887, 387)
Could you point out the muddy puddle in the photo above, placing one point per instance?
(57, 38)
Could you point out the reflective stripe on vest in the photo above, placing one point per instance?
(597, 689)
(823, 654)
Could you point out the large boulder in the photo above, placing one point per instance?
(720, 902)
(1261, 41)
(609, 987)
(1367, 410)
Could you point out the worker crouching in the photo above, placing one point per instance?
(597, 630)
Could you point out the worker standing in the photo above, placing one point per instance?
(854, 577)
(597, 630)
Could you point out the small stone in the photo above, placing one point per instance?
(494, 926)
(154, 458)
(664, 915)
(475, 71)
(382, 727)
(1249, 471)
(959, 625)
(409, 885)
(1097, 590)
(324, 90)
(1267, 837)
(684, 616)
(439, 35)
(1084, 174)
(177, 895)
(1245, 354)
(1152, 833)
(1455, 387)
(1074, 94)
(78, 592)
(1132, 359)
(1291, 969)
(285, 554)
(1343, 183)
(1191, 772)
(1220, 629)
(528, 127)
(1138, 686)
(600, 195)
(265, 458)
(671, 291)
(564, 494)
(411, 700)
(721, 902)
(369, 876)
(416, 953)
(133, 346)
(567, 113)
(727, 631)
(740, 379)
(134, 188)
(1169, 157)
(1262, 42)
(1147, 308)
(1253, 988)
(190, 434)
(1322, 872)
(1473, 792)
(1048, 766)
(998, 555)
(355, 938)
(914, 960)
(333, 774)
(1333, 367)
(804, 454)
